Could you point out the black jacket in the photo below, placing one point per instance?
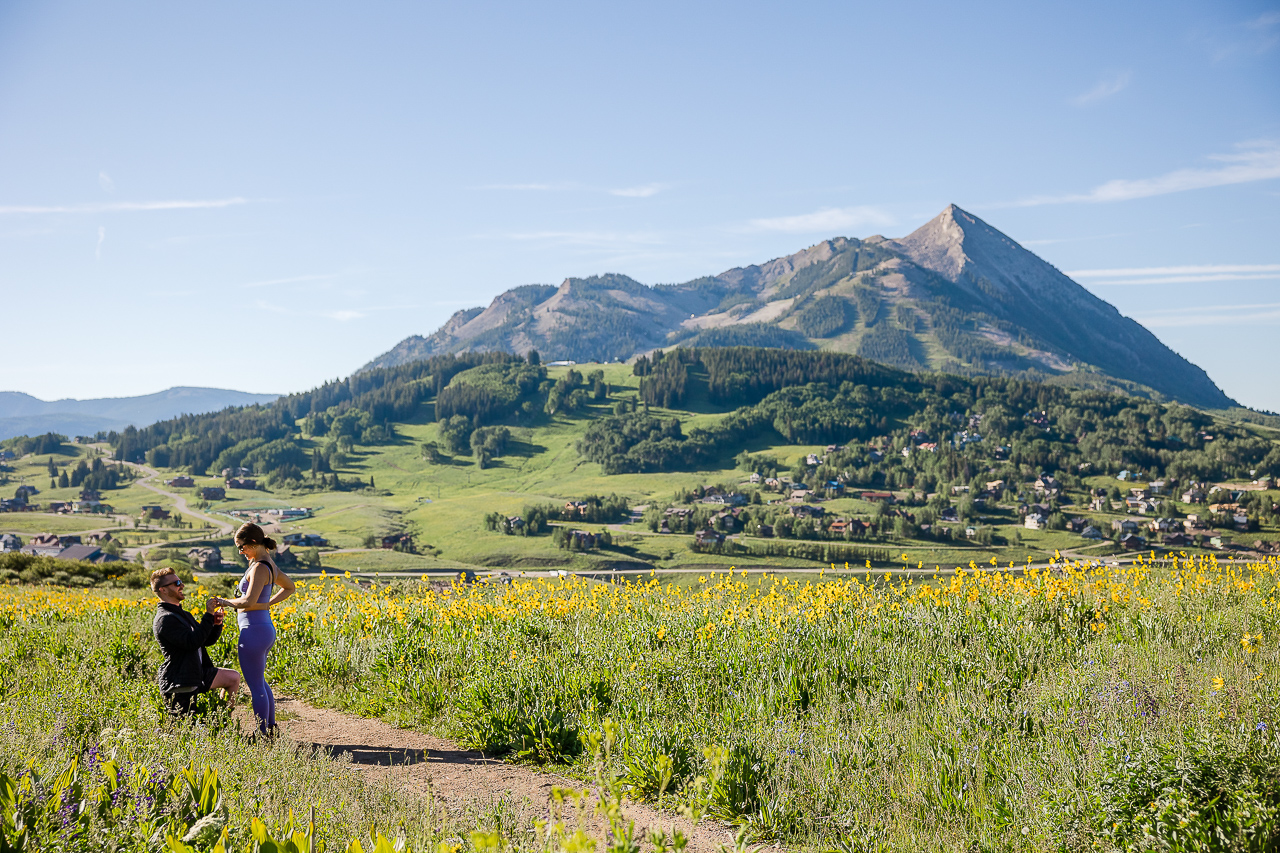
(181, 640)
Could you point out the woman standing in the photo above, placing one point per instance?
(253, 613)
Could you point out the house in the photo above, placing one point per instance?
(876, 497)
(1132, 542)
(754, 478)
(706, 537)
(206, 558)
(583, 540)
(843, 526)
(835, 487)
(806, 511)
(1091, 532)
(1002, 452)
(291, 512)
(773, 483)
(1034, 521)
(305, 540)
(834, 448)
(1124, 525)
(1175, 540)
(228, 473)
(1099, 505)
(155, 513)
(6, 455)
(404, 540)
(678, 512)
(575, 509)
(68, 539)
(1140, 492)
(86, 553)
(875, 455)
(1240, 521)
(1193, 495)
(929, 447)
(25, 492)
(811, 459)
(799, 494)
(1158, 487)
(1263, 482)
(728, 520)
(213, 493)
(995, 486)
(949, 513)
(1124, 476)
(1217, 542)
(1075, 524)
(90, 506)
(285, 558)
(731, 499)
(512, 524)
(241, 483)
(90, 495)
(1047, 485)
(765, 531)
(9, 542)
(60, 507)
(959, 490)
(1164, 525)
(180, 482)
(906, 451)
(45, 545)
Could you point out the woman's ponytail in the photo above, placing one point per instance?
(269, 544)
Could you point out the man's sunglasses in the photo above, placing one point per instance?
(178, 583)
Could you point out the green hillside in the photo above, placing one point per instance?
(450, 448)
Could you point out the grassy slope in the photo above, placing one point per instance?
(444, 505)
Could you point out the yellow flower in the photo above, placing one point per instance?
(919, 686)
(1217, 684)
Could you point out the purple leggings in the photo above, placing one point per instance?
(255, 641)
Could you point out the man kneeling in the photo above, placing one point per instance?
(186, 671)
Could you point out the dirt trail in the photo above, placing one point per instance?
(459, 778)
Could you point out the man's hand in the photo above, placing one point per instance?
(212, 604)
(218, 616)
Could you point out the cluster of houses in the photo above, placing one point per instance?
(89, 501)
(304, 540)
(86, 548)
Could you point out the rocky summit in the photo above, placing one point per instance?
(955, 295)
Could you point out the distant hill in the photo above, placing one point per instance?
(23, 414)
(954, 295)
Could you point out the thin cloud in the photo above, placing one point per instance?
(528, 187)
(828, 220)
(102, 236)
(125, 206)
(639, 191)
(1105, 89)
(104, 181)
(1256, 161)
(1180, 274)
(605, 239)
(271, 282)
(342, 316)
(1262, 314)
(645, 191)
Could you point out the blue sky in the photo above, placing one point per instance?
(263, 198)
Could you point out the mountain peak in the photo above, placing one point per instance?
(955, 294)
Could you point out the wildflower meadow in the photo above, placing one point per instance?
(1086, 706)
